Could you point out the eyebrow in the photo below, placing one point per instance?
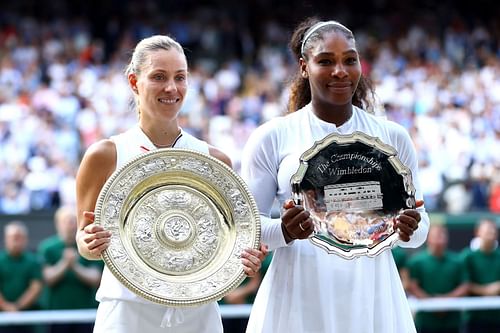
(164, 71)
(343, 53)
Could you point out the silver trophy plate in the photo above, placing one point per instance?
(354, 186)
(179, 221)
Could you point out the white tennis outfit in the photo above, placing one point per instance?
(306, 290)
(122, 311)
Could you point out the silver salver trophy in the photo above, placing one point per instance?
(354, 186)
(179, 221)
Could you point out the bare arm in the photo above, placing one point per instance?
(415, 290)
(96, 167)
(91, 276)
(418, 292)
(239, 295)
(6, 305)
(218, 154)
(460, 291)
(30, 295)
(490, 289)
(53, 274)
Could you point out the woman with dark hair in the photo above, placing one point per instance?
(306, 289)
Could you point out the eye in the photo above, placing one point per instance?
(180, 78)
(351, 60)
(325, 62)
(158, 77)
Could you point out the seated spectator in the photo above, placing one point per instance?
(494, 199)
(71, 280)
(437, 272)
(483, 267)
(20, 275)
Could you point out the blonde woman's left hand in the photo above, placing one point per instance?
(252, 259)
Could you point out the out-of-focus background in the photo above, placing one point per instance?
(436, 69)
(435, 65)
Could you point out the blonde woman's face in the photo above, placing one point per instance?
(162, 84)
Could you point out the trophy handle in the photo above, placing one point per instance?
(297, 194)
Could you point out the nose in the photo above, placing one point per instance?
(339, 71)
(170, 86)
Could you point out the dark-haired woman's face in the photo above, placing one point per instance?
(333, 69)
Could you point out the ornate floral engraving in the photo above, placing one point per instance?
(164, 231)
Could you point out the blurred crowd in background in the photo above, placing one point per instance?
(436, 70)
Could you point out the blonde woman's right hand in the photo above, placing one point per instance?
(93, 239)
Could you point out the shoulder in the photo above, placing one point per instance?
(218, 154)
(397, 130)
(391, 133)
(100, 158)
(279, 126)
(383, 122)
(104, 150)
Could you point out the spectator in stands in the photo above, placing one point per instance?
(71, 280)
(483, 267)
(20, 275)
(494, 199)
(157, 75)
(306, 289)
(437, 272)
(430, 79)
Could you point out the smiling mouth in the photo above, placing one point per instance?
(339, 85)
(168, 100)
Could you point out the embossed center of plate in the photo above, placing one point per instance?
(174, 230)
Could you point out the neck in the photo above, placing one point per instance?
(162, 138)
(439, 253)
(15, 254)
(335, 114)
(487, 247)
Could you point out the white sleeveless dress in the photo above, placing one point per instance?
(122, 311)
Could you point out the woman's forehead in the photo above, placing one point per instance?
(166, 59)
(333, 41)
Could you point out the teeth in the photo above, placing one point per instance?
(168, 101)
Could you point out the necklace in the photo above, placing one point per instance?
(169, 145)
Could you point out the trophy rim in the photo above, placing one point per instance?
(334, 246)
(234, 210)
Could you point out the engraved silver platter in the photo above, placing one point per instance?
(354, 186)
(179, 221)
